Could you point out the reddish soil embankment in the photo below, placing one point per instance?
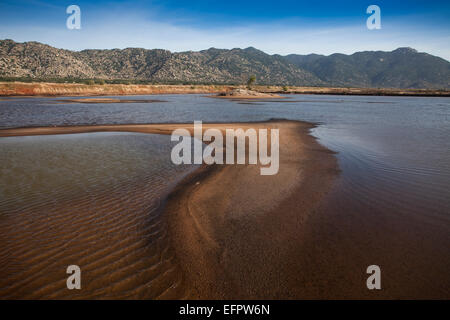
(76, 89)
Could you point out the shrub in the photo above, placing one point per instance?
(251, 81)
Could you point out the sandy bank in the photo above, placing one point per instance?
(157, 128)
(77, 89)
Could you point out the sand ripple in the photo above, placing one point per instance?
(70, 207)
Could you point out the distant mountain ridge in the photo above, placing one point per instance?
(401, 68)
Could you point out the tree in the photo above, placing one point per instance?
(251, 81)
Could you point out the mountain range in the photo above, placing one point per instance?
(401, 68)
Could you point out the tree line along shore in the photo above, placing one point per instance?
(99, 88)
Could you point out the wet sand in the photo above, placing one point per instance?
(234, 233)
(237, 234)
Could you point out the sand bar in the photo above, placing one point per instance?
(108, 100)
(239, 93)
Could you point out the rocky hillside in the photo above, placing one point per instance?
(32, 59)
(402, 68)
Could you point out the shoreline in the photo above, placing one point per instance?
(236, 233)
(45, 89)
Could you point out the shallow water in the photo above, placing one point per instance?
(394, 153)
(87, 199)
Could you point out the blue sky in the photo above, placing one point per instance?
(281, 27)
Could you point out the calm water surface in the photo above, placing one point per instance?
(391, 141)
(394, 153)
